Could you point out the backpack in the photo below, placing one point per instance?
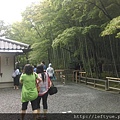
(13, 74)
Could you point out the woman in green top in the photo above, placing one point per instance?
(29, 90)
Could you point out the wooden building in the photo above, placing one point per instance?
(8, 50)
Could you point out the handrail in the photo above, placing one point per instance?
(113, 78)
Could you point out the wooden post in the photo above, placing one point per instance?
(106, 85)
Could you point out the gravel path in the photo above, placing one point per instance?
(78, 98)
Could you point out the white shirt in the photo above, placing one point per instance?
(17, 72)
(50, 71)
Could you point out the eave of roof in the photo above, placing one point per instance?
(8, 45)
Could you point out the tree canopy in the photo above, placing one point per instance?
(71, 31)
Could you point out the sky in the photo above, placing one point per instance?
(10, 10)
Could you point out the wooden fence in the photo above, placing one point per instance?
(80, 77)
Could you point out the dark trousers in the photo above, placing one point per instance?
(16, 80)
(44, 101)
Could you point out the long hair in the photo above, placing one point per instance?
(28, 69)
(40, 69)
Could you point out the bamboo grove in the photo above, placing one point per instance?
(67, 32)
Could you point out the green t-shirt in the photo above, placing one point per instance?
(29, 90)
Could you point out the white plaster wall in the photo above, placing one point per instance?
(7, 68)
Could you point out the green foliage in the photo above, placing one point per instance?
(38, 51)
(62, 31)
(90, 28)
(67, 37)
(113, 27)
(3, 28)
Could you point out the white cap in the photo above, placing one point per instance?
(49, 64)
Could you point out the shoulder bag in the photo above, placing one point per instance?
(53, 90)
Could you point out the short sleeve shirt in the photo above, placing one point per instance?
(29, 87)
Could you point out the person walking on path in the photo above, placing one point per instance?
(34, 68)
(44, 87)
(16, 77)
(44, 66)
(50, 71)
(29, 90)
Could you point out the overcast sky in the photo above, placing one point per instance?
(10, 10)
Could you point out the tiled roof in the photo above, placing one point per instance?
(7, 45)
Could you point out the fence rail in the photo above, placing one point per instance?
(79, 77)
